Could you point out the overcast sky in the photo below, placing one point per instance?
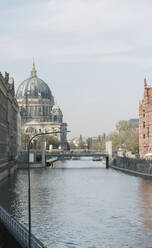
(94, 55)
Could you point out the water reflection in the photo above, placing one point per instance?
(10, 196)
(145, 191)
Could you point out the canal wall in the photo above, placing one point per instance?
(6, 238)
(141, 167)
(7, 169)
(15, 234)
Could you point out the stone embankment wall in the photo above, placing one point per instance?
(6, 239)
(135, 166)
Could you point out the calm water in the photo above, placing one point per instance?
(83, 205)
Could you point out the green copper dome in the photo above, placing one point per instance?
(34, 87)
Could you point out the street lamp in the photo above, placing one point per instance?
(29, 183)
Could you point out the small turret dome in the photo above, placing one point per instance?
(55, 108)
(56, 113)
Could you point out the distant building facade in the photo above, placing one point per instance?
(135, 122)
(8, 126)
(38, 111)
(145, 123)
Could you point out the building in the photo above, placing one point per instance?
(145, 123)
(39, 113)
(135, 122)
(19, 133)
(8, 126)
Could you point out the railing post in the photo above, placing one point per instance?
(107, 162)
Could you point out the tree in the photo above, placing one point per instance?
(68, 146)
(125, 136)
(103, 142)
(81, 143)
(89, 143)
(97, 143)
(25, 138)
(39, 142)
(50, 140)
(72, 145)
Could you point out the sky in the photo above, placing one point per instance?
(93, 54)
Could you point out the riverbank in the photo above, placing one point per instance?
(138, 167)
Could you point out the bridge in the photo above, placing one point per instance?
(64, 155)
(76, 154)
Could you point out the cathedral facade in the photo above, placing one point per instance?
(145, 123)
(39, 113)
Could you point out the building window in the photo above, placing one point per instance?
(55, 118)
(35, 111)
(144, 136)
(143, 124)
(148, 131)
(43, 111)
(143, 113)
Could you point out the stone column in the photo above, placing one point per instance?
(109, 149)
(43, 149)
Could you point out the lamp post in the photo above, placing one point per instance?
(29, 183)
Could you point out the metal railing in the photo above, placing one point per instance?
(19, 232)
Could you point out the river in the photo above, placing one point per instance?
(82, 204)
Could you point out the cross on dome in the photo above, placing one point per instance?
(33, 72)
(33, 67)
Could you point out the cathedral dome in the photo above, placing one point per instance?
(34, 87)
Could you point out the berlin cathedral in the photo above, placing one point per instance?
(39, 113)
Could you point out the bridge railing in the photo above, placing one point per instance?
(19, 232)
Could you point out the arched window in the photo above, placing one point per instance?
(55, 118)
(30, 130)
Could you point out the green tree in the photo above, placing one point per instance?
(103, 142)
(25, 138)
(50, 140)
(39, 142)
(68, 146)
(125, 136)
(98, 143)
(81, 143)
(89, 143)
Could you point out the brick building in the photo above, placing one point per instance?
(8, 126)
(145, 123)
